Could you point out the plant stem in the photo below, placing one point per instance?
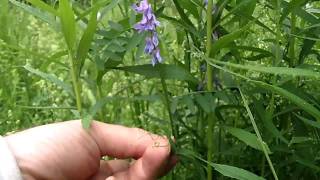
(292, 40)
(210, 89)
(99, 96)
(278, 34)
(167, 103)
(76, 84)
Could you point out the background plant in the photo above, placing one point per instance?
(238, 89)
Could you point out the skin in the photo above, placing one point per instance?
(66, 151)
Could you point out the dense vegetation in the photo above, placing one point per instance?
(243, 103)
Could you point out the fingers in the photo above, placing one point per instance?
(108, 168)
(153, 161)
(173, 160)
(121, 142)
(151, 151)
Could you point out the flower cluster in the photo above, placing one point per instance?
(149, 24)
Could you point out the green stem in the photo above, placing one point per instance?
(210, 89)
(76, 85)
(167, 103)
(292, 40)
(278, 35)
(99, 96)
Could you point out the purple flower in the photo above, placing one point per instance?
(156, 57)
(143, 6)
(149, 24)
(149, 46)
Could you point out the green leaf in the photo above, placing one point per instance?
(298, 140)
(306, 163)
(295, 72)
(99, 104)
(235, 172)
(135, 41)
(43, 15)
(191, 7)
(43, 6)
(203, 101)
(226, 40)
(50, 77)
(292, 97)
(4, 20)
(68, 23)
(309, 122)
(95, 7)
(230, 171)
(266, 117)
(87, 37)
(293, 4)
(248, 138)
(288, 95)
(166, 71)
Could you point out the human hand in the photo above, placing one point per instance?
(65, 151)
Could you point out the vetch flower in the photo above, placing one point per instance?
(149, 24)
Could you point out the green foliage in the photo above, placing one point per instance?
(248, 101)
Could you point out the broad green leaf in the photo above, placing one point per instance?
(168, 71)
(68, 23)
(248, 138)
(50, 77)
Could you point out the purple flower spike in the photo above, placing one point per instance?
(149, 24)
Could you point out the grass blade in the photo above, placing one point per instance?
(255, 127)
